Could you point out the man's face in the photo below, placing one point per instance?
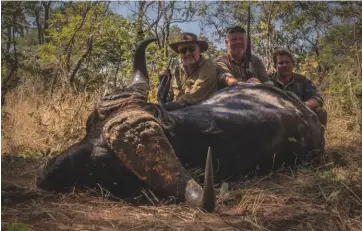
(190, 53)
(284, 65)
(236, 43)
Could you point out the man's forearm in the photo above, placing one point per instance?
(312, 103)
(230, 80)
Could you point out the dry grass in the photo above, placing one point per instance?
(47, 124)
(327, 197)
(299, 200)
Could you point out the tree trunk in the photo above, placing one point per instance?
(8, 43)
(38, 25)
(358, 61)
(319, 67)
(168, 19)
(9, 82)
(69, 47)
(141, 12)
(270, 33)
(46, 6)
(80, 61)
(114, 85)
(14, 42)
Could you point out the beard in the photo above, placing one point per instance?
(238, 50)
(190, 60)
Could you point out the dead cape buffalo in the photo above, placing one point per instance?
(130, 142)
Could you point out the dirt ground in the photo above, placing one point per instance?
(327, 197)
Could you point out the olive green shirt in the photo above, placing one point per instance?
(193, 88)
(232, 67)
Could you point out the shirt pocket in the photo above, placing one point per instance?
(188, 85)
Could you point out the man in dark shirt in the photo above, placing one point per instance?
(286, 79)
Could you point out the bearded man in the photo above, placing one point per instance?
(195, 79)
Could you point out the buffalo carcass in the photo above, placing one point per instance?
(130, 142)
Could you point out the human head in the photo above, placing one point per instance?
(283, 62)
(190, 48)
(236, 41)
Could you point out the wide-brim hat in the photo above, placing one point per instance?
(189, 38)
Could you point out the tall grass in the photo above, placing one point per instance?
(324, 198)
(34, 120)
(31, 120)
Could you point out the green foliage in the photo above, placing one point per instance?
(224, 188)
(88, 46)
(331, 175)
(47, 55)
(212, 52)
(18, 227)
(88, 27)
(358, 90)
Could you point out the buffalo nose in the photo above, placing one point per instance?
(194, 192)
(40, 177)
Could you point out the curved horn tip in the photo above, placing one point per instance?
(140, 75)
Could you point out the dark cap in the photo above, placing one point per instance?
(235, 29)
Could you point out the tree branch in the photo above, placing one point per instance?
(80, 61)
(71, 41)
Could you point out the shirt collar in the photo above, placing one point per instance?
(232, 59)
(290, 81)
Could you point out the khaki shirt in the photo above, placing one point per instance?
(201, 84)
(299, 85)
(231, 67)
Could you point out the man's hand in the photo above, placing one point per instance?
(165, 73)
(312, 103)
(230, 80)
(253, 81)
(164, 78)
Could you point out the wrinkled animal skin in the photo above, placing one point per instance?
(130, 143)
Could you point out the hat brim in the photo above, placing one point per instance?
(202, 44)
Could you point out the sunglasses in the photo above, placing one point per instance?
(184, 50)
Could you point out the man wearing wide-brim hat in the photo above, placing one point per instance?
(195, 79)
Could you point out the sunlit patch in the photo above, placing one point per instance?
(271, 99)
(168, 178)
(244, 102)
(191, 183)
(292, 139)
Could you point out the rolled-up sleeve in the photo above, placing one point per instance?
(260, 70)
(224, 69)
(310, 91)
